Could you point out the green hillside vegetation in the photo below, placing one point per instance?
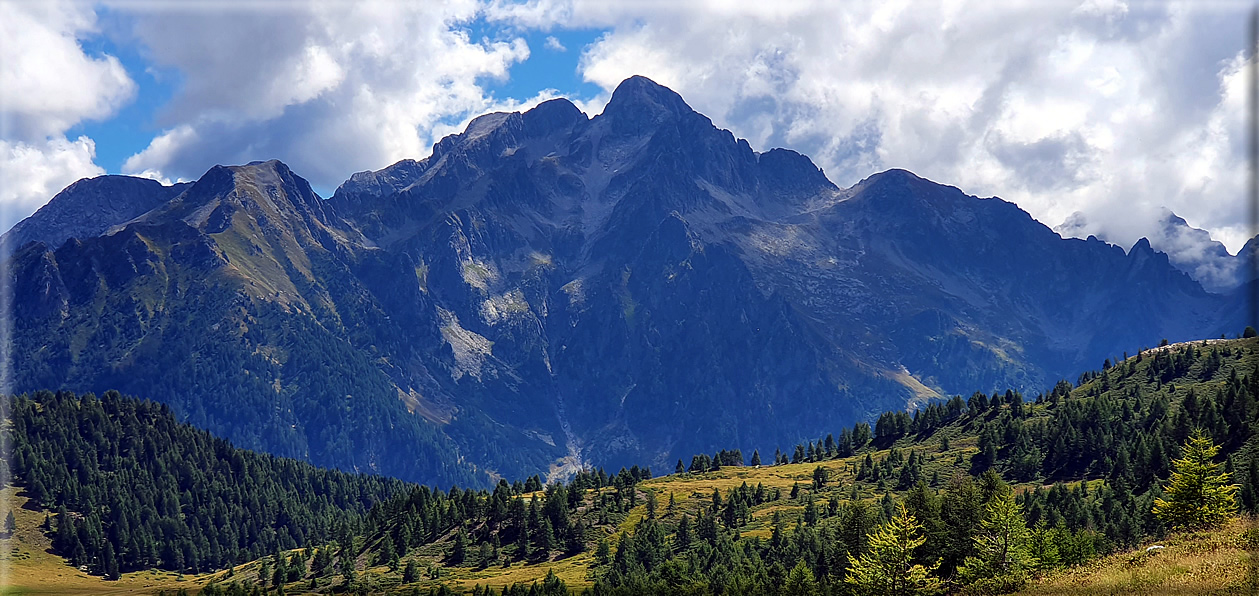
(991, 494)
(134, 489)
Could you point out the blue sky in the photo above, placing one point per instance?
(1095, 116)
(129, 130)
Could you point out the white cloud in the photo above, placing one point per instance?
(552, 43)
(48, 84)
(161, 151)
(329, 88)
(1116, 110)
(31, 173)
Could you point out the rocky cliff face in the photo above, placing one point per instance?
(548, 290)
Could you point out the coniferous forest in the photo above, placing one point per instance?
(971, 495)
(134, 489)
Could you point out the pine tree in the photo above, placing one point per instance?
(546, 539)
(10, 524)
(603, 552)
(298, 570)
(111, 561)
(346, 566)
(1003, 558)
(682, 535)
(756, 458)
(800, 581)
(1199, 495)
(459, 551)
(820, 477)
(888, 566)
(411, 572)
(385, 554)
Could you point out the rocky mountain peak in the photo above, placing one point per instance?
(268, 192)
(640, 103)
(88, 208)
(552, 115)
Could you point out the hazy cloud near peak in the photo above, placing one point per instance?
(1190, 249)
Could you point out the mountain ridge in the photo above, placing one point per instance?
(610, 289)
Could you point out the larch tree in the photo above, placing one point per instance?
(888, 567)
(1199, 495)
(1003, 558)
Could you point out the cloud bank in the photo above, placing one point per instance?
(330, 88)
(1115, 110)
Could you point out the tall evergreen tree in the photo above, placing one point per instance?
(1199, 494)
(411, 572)
(1003, 559)
(800, 581)
(888, 566)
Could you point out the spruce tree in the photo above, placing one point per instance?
(1199, 495)
(110, 563)
(820, 477)
(546, 539)
(888, 566)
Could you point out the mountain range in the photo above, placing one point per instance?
(548, 290)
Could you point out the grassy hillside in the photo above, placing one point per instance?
(1219, 562)
(1086, 457)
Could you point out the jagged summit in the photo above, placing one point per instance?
(550, 115)
(1141, 246)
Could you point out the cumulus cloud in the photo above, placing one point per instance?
(1111, 109)
(48, 84)
(330, 88)
(33, 172)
